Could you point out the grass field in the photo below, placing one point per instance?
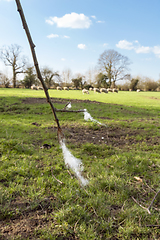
(40, 198)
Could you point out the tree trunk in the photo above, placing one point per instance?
(14, 77)
(114, 84)
(109, 73)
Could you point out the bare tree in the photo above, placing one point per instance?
(11, 56)
(67, 76)
(91, 75)
(48, 76)
(4, 80)
(114, 65)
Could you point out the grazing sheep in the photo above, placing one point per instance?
(109, 89)
(103, 90)
(96, 90)
(85, 91)
(34, 88)
(138, 90)
(90, 89)
(66, 88)
(72, 88)
(40, 88)
(115, 90)
(59, 88)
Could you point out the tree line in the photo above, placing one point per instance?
(140, 82)
(111, 68)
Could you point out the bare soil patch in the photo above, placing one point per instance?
(28, 220)
(114, 136)
(111, 136)
(24, 226)
(56, 100)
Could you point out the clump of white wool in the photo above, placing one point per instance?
(69, 106)
(74, 163)
(87, 117)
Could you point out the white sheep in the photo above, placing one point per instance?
(103, 90)
(109, 89)
(85, 91)
(34, 88)
(66, 88)
(115, 90)
(96, 90)
(40, 88)
(59, 88)
(72, 88)
(138, 90)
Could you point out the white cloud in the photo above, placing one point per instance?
(123, 44)
(147, 59)
(53, 36)
(63, 59)
(49, 21)
(93, 17)
(73, 20)
(57, 36)
(105, 44)
(81, 46)
(143, 49)
(100, 22)
(156, 51)
(66, 36)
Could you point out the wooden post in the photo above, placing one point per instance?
(32, 46)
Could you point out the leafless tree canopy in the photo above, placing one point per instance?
(48, 76)
(66, 76)
(11, 56)
(114, 65)
(4, 80)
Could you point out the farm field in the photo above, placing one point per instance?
(142, 99)
(40, 198)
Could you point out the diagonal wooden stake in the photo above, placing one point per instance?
(32, 46)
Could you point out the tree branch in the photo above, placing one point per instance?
(55, 177)
(153, 199)
(65, 110)
(141, 205)
(147, 209)
(32, 46)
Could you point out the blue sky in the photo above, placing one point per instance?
(73, 33)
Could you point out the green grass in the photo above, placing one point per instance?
(147, 100)
(34, 205)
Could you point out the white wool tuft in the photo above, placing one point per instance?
(69, 105)
(87, 117)
(74, 163)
